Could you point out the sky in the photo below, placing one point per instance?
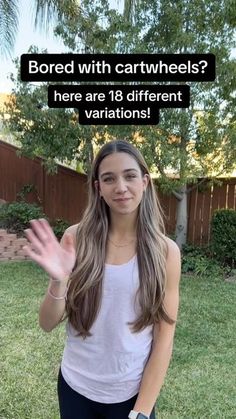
(26, 37)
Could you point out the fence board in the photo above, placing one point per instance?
(168, 204)
(206, 216)
(223, 196)
(198, 219)
(215, 199)
(231, 195)
(192, 215)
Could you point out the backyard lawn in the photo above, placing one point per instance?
(201, 380)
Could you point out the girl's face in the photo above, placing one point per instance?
(121, 183)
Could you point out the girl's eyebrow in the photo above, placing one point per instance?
(124, 171)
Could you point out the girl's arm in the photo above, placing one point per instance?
(158, 362)
(58, 260)
(52, 309)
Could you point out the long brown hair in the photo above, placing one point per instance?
(85, 289)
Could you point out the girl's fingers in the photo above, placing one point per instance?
(39, 231)
(47, 228)
(33, 239)
(34, 256)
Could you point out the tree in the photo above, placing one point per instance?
(44, 11)
(199, 141)
(52, 134)
(187, 144)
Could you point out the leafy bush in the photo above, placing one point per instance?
(25, 190)
(223, 236)
(15, 216)
(197, 260)
(59, 226)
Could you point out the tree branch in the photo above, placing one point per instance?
(202, 181)
(177, 195)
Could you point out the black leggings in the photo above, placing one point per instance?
(75, 406)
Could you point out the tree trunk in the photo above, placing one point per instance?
(182, 217)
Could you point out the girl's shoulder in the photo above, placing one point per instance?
(72, 230)
(172, 249)
(171, 244)
(173, 261)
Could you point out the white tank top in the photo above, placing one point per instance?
(108, 366)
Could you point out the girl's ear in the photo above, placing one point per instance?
(96, 184)
(146, 179)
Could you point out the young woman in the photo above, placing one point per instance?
(115, 277)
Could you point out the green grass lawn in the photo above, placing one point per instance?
(201, 380)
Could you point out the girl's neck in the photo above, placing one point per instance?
(123, 227)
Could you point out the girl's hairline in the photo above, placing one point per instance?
(141, 167)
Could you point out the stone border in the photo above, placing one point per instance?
(11, 247)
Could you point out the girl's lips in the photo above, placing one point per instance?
(122, 199)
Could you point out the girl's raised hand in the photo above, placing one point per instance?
(57, 259)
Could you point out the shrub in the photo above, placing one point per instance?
(197, 260)
(59, 226)
(15, 216)
(223, 236)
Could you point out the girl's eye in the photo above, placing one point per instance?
(131, 176)
(108, 179)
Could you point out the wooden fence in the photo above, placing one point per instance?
(201, 205)
(64, 195)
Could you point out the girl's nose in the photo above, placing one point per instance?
(121, 185)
